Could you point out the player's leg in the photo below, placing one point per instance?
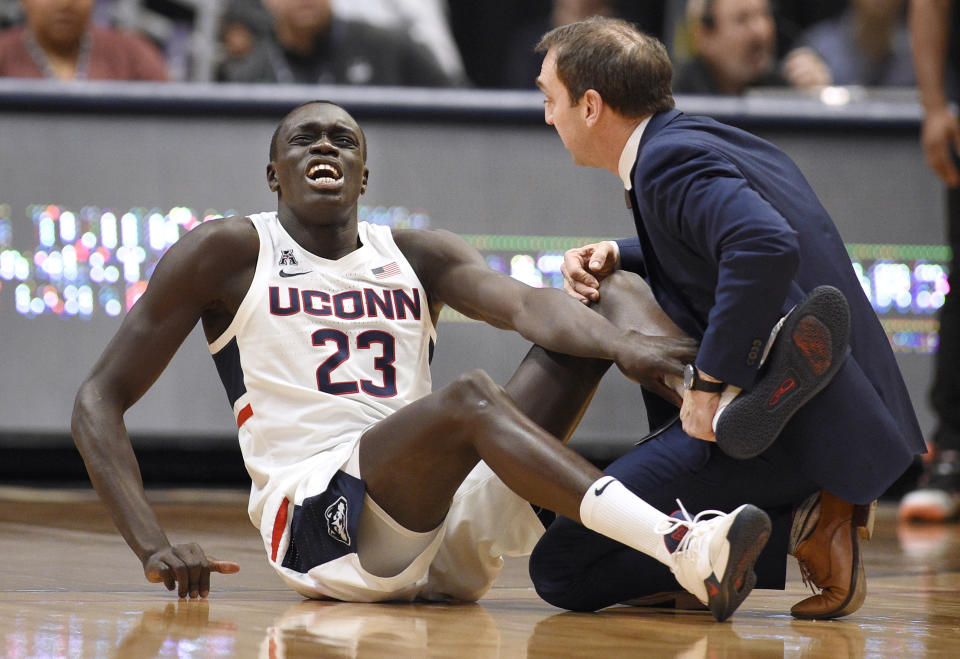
(414, 461)
(627, 301)
(444, 435)
(554, 390)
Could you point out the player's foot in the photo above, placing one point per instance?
(825, 538)
(713, 558)
(937, 497)
(805, 351)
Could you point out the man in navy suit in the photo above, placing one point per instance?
(729, 237)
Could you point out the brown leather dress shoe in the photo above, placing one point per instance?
(830, 560)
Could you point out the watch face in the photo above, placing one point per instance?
(688, 376)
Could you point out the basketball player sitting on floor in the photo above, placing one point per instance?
(367, 486)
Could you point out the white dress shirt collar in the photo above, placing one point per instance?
(629, 154)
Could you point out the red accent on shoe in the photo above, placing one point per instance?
(813, 339)
(712, 588)
(784, 387)
(672, 541)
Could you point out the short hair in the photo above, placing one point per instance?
(701, 12)
(628, 68)
(276, 131)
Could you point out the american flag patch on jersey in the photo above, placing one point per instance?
(388, 270)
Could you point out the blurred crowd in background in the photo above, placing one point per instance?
(718, 46)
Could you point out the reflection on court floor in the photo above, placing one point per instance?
(71, 588)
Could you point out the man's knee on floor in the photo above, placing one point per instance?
(547, 572)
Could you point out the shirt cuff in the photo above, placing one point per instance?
(616, 253)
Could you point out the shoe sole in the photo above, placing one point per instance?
(679, 600)
(806, 354)
(861, 527)
(748, 534)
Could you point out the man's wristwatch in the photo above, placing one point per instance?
(692, 380)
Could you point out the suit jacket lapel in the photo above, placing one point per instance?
(664, 290)
(657, 121)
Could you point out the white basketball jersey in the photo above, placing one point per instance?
(318, 351)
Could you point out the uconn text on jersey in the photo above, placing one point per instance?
(392, 304)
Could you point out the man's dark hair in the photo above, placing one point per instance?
(276, 131)
(629, 69)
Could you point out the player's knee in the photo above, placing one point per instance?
(620, 289)
(473, 393)
(627, 301)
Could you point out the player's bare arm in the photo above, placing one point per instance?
(455, 273)
(202, 276)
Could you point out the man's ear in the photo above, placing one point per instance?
(593, 106)
(272, 181)
(363, 183)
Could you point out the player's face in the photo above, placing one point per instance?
(558, 112)
(319, 158)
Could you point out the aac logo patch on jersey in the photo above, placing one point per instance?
(287, 257)
(336, 514)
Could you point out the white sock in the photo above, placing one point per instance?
(611, 509)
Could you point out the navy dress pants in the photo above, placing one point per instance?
(577, 569)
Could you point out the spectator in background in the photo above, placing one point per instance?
(522, 63)
(309, 44)
(242, 24)
(60, 41)
(935, 27)
(484, 32)
(794, 17)
(735, 46)
(427, 22)
(868, 45)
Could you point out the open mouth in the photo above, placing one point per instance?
(325, 176)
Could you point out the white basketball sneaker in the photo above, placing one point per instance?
(713, 558)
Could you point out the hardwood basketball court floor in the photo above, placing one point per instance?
(70, 587)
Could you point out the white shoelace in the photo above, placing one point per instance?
(695, 531)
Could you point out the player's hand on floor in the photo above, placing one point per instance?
(186, 568)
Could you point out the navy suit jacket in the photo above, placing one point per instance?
(730, 236)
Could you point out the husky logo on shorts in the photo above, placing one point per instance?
(336, 515)
(287, 257)
(325, 524)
